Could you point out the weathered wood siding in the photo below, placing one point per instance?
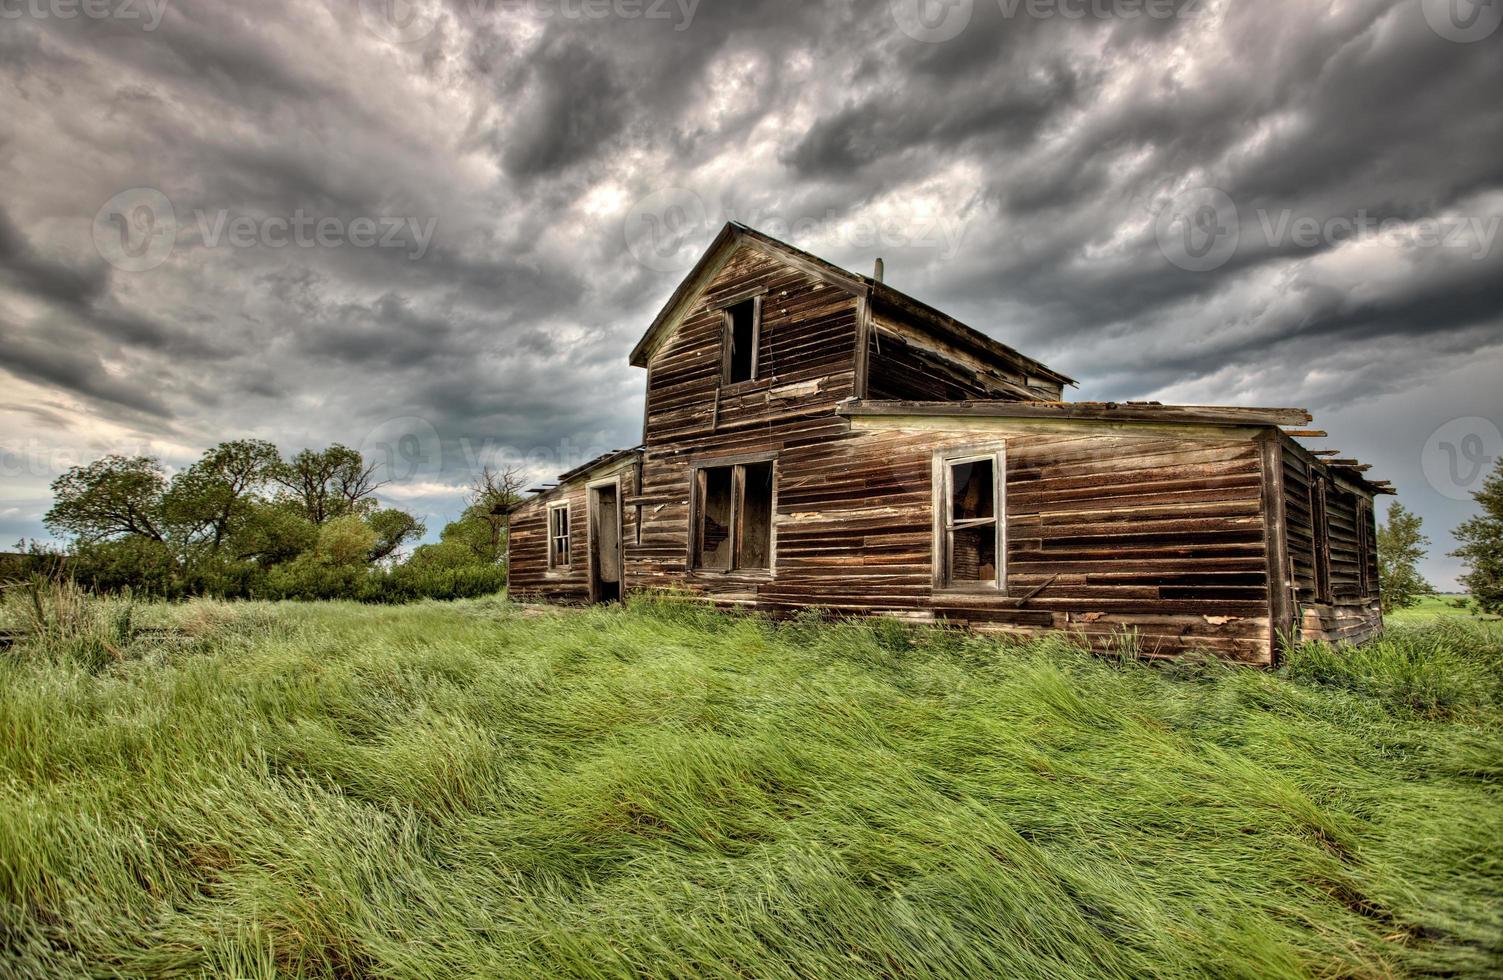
(1160, 533)
(806, 365)
(1353, 613)
(907, 365)
(529, 578)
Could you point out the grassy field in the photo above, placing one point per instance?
(476, 789)
(1431, 606)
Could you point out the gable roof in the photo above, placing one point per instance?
(735, 234)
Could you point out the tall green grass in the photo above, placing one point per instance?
(476, 789)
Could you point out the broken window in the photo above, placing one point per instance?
(973, 525)
(733, 517)
(743, 329)
(558, 536)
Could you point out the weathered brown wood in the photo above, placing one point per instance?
(1190, 526)
(1281, 608)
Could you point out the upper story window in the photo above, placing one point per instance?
(743, 336)
(971, 516)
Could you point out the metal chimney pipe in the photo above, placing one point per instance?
(880, 270)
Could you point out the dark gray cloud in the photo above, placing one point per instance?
(1016, 173)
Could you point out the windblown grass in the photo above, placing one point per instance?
(471, 789)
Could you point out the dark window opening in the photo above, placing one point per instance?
(972, 525)
(715, 518)
(733, 517)
(754, 542)
(558, 537)
(742, 333)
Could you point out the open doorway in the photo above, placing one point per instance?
(605, 542)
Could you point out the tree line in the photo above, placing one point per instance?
(244, 522)
(1402, 544)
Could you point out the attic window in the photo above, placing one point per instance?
(743, 332)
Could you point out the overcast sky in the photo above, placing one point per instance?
(435, 231)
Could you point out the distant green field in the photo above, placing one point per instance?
(1431, 606)
(478, 789)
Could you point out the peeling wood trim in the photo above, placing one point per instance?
(930, 423)
(1281, 602)
(863, 346)
(1109, 411)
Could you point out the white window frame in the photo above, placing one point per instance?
(944, 525)
(567, 536)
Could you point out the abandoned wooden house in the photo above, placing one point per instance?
(815, 438)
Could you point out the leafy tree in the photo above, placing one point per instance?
(1401, 545)
(329, 484)
(345, 540)
(212, 499)
(393, 528)
(273, 532)
(110, 498)
(1482, 546)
